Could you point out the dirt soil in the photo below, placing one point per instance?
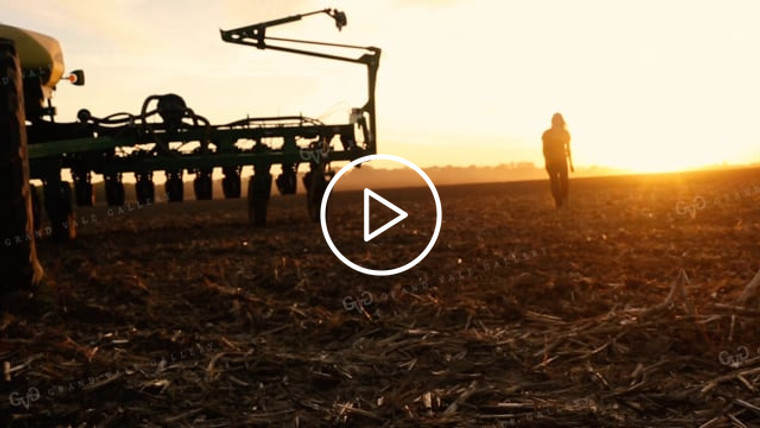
(624, 310)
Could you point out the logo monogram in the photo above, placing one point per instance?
(32, 395)
(683, 208)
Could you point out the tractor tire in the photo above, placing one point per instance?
(203, 187)
(59, 207)
(114, 192)
(19, 267)
(259, 191)
(175, 188)
(231, 185)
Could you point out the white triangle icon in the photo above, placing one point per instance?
(399, 218)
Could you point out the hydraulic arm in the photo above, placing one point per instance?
(255, 35)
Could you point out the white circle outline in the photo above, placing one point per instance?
(380, 272)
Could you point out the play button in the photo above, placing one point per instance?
(402, 237)
(400, 215)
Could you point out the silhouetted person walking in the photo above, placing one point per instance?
(556, 154)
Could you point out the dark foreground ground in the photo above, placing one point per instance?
(183, 315)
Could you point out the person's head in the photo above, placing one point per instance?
(558, 121)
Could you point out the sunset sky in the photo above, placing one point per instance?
(645, 85)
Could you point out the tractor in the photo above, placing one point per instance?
(165, 135)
